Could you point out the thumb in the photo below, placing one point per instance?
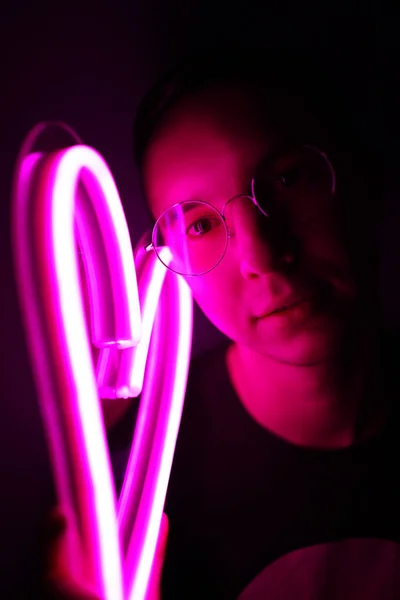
(60, 583)
(62, 552)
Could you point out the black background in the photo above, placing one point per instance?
(89, 65)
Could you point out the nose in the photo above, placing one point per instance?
(260, 245)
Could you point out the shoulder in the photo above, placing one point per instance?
(208, 372)
(209, 360)
(390, 360)
(207, 381)
(389, 357)
(208, 378)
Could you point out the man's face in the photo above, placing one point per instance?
(284, 290)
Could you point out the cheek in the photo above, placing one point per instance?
(325, 244)
(324, 247)
(218, 294)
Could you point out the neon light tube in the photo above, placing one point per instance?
(61, 200)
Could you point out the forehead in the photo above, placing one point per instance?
(209, 146)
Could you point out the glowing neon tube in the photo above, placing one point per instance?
(48, 206)
(170, 385)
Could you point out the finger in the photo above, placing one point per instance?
(59, 580)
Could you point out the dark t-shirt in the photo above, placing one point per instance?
(253, 517)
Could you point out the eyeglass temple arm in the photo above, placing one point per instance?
(254, 200)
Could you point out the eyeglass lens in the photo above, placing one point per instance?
(196, 235)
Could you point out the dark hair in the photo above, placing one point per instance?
(308, 75)
(314, 78)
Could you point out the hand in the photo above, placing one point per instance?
(60, 585)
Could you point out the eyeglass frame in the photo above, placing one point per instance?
(252, 198)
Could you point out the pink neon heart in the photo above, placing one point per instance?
(44, 217)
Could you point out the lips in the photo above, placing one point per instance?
(282, 307)
(288, 306)
(317, 298)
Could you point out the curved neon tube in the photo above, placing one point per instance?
(171, 384)
(46, 210)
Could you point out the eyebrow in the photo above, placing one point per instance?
(274, 153)
(186, 208)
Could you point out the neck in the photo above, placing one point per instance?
(316, 406)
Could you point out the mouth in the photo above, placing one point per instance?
(311, 301)
(286, 307)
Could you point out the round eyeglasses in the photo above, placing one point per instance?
(299, 181)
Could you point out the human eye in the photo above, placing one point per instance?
(292, 176)
(291, 172)
(303, 172)
(201, 226)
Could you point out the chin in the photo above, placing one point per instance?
(306, 334)
(302, 354)
(305, 346)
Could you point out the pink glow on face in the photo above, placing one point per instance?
(47, 206)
